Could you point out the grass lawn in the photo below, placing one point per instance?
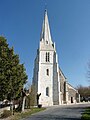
(26, 113)
(86, 114)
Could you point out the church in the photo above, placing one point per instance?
(48, 79)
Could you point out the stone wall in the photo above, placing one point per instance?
(72, 98)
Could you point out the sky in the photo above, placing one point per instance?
(21, 23)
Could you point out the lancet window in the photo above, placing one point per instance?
(47, 72)
(47, 91)
(47, 57)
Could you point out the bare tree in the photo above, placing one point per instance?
(84, 91)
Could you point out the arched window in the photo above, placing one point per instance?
(47, 91)
(47, 72)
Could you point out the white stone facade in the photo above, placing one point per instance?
(48, 79)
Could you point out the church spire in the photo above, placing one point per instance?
(45, 34)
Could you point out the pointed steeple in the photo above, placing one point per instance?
(45, 34)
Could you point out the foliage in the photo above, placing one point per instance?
(28, 101)
(86, 115)
(6, 113)
(12, 73)
(32, 96)
(84, 91)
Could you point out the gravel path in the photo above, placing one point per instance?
(66, 112)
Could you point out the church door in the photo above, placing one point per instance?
(71, 99)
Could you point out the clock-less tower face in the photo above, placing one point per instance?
(47, 66)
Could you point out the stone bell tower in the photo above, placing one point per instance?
(46, 72)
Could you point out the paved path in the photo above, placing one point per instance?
(65, 112)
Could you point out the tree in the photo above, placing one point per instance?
(12, 73)
(84, 91)
(31, 96)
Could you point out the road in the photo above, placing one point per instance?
(63, 112)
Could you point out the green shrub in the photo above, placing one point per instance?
(6, 113)
(86, 115)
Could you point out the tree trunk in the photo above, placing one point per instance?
(12, 107)
(23, 103)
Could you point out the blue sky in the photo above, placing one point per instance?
(21, 22)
